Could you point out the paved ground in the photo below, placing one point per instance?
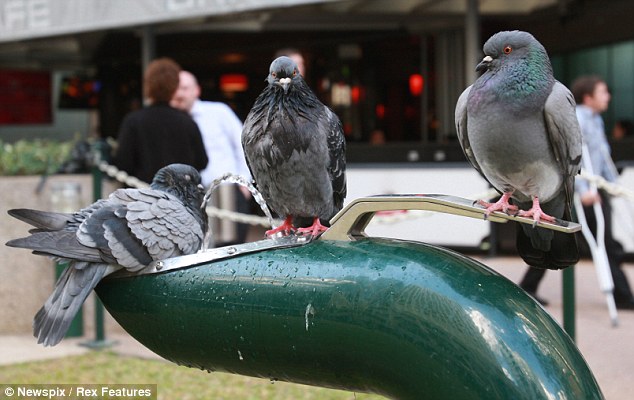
(608, 350)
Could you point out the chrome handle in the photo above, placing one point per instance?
(350, 223)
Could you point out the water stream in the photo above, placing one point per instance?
(240, 180)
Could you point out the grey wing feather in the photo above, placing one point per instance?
(564, 134)
(250, 130)
(60, 244)
(461, 129)
(337, 168)
(165, 227)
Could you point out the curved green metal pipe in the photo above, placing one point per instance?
(401, 319)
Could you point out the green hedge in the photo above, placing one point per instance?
(33, 157)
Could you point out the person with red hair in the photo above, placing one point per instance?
(159, 135)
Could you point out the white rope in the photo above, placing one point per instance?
(234, 216)
(122, 176)
(611, 188)
(387, 218)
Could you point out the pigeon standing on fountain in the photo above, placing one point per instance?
(130, 229)
(295, 149)
(517, 126)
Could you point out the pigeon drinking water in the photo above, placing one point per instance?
(129, 229)
(517, 126)
(295, 149)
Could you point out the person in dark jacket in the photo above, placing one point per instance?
(159, 135)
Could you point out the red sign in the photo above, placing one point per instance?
(25, 97)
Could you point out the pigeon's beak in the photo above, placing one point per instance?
(484, 64)
(285, 83)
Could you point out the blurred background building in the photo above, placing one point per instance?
(390, 65)
(394, 67)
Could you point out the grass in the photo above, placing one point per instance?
(174, 382)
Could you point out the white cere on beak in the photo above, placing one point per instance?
(285, 80)
(487, 59)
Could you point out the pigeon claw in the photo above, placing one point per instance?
(286, 228)
(537, 213)
(315, 229)
(501, 205)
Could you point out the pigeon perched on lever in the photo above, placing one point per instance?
(129, 229)
(295, 148)
(517, 126)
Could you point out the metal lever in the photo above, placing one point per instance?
(349, 224)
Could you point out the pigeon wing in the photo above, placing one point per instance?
(337, 152)
(461, 129)
(61, 245)
(564, 135)
(162, 224)
(253, 130)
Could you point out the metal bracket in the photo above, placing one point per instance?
(350, 223)
(218, 253)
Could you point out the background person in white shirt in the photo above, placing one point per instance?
(221, 131)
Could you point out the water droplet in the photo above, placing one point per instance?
(240, 356)
(310, 312)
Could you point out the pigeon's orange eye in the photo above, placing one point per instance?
(294, 72)
(508, 50)
(274, 74)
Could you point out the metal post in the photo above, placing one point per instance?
(148, 46)
(568, 286)
(471, 40)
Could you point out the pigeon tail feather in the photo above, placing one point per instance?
(544, 248)
(54, 318)
(42, 219)
(563, 250)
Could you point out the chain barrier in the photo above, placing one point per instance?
(383, 218)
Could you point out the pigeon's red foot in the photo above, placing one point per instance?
(500, 205)
(536, 213)
(315, 229)
(286, 228)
